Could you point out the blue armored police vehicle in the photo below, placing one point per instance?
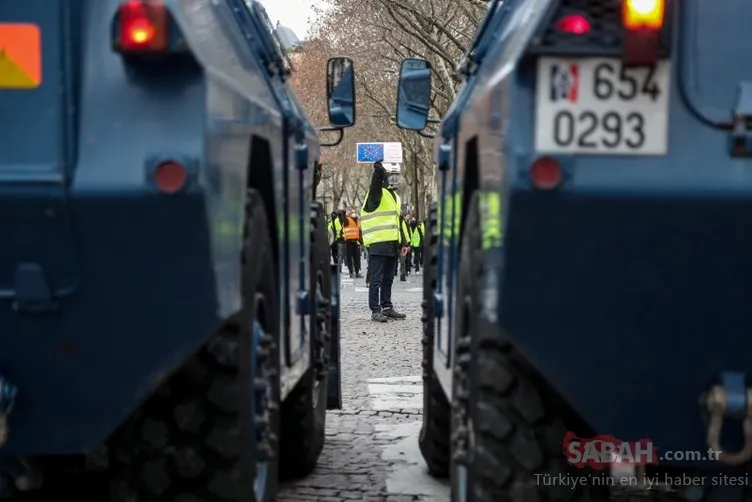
(588, 271)
(168, 314)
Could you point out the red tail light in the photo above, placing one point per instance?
(643, 21)
(546, 173)
(574, 24)
(170, 177)
(143, 26)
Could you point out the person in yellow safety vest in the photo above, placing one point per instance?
(380, 223)
(405, 237)
(416, 243)
(336, 235)
(353, 241)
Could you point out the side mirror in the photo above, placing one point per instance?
(414, 94)
(340, 92)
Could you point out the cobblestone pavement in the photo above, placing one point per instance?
(371, 451)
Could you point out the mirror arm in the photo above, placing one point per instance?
(428, 121)
(341, 132)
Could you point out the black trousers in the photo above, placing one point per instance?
(381, 269)
(334, 248)
(404, 264)
(417, 257)
(352, 256)
(338, 253)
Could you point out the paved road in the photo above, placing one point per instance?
(371, 451)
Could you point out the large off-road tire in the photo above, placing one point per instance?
(434, 434)
(304, 410)
(505, 432)
(196, 438)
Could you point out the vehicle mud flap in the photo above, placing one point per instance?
(334, 399)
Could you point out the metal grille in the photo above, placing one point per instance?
(605, 27)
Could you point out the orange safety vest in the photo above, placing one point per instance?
(351, 230)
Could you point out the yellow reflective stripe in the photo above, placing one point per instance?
(378, 228)
(370, 216)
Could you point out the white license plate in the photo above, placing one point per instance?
(597, 106)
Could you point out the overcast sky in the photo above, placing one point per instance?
(291, 13)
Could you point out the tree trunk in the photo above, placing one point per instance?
(316, 178)
(416, 197)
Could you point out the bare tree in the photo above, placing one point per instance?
(378, 34)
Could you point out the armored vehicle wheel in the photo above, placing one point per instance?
(434, 434)
(304, 410)
(208, 434)
(505, 435)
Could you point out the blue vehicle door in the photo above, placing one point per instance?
(492, 28)
(37, 155)
(295, 222)
(715, 56)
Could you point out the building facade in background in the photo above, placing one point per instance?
(288, 38)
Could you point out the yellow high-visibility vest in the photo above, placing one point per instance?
(335, 227)
(406, 233)
(381, 225)
(418, 235)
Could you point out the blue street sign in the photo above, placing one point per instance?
(368, 153)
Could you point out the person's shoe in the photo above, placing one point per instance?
(352, 276)
(403, 278)
(358, 276)
(393, 314)
(379, 317)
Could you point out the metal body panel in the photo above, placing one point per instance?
(139, 278)
(253, 105)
